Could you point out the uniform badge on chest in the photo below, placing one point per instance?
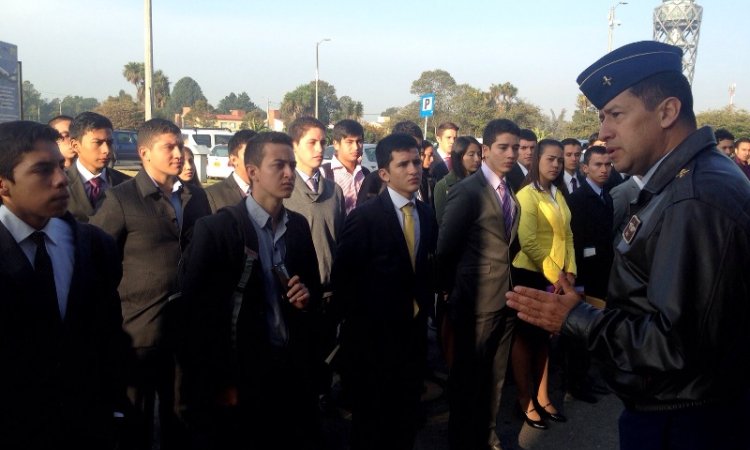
(631, 229)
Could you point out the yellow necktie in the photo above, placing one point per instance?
(408, 210)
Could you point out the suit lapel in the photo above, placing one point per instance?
(78, 191)
(14, 262)
(81, 281)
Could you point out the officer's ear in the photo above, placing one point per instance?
(669, 111)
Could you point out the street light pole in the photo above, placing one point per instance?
(316, 74)
(612, 24)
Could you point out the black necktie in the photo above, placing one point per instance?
(574, 183)
(45, 279)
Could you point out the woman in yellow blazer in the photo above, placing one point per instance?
(546, 249)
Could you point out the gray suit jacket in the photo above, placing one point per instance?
(79, 204)
(223, 193)
(145, 228)
(622, 196)
(474, 256)
(325, 212)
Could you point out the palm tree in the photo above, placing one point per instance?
(161, 89)
(135, 73)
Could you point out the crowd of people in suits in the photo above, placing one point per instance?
(232, 305)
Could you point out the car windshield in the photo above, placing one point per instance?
(222, 138)
(369, 153)
(220, 150)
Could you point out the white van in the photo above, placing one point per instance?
(202, 140)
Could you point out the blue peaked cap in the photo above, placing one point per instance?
(626, 66)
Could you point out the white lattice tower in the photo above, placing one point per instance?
(678, 22)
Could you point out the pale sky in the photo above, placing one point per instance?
(267, 48)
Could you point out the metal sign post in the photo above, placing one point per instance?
(426, 109)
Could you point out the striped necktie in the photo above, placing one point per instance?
(507, 208)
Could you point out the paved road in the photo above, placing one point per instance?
(589, 426)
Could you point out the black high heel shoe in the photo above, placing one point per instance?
(538, 424)
(556, 416)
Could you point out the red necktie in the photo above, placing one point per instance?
(448, 162)
(96, 183)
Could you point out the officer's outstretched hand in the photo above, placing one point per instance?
(544, 309)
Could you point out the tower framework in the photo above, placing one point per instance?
(678, 22)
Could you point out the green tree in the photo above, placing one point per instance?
(524, 114)
(736, 121)
(373, 133)
(443, 85)
(583, 125)
(234, 101)
(348, 109)
(392, 111)
(123, 111)
(184, 93)
(503, 96)
(471, 111)
(135, 73)
(160, 86)
(301, 102)
(201, 115)
(255, 120)
(74, 105)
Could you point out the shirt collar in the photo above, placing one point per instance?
(259, 215)
(176, 186)
(638, 181)
(399, 201)
(552, 188)
(86, 173)
(567, 177)
(491, 176)
(593, 185)
(443, 154)
(336, 164)
(524, 170)
(240, 182)
(20, 230)
(305, 177)
(651, 171)
(737, 160)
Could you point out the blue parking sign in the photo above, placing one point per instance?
(427, 105)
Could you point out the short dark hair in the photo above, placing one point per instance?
(533, 176)
(721, 134)
(656, 88)
(60, 118)
(593, 150)
(150, 131)
(571, 141)
(256, 147)
(239, 139)
(300, 125)
(528, 135)
(346, 128)
(408, 127)
(88, 121)
(496, 127)
(446, 126)
(457, 154)
(741, 141)
(17, 138)
(396, 142)
(593, 138)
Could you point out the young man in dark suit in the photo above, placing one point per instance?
(236, 186)
(151, 218)
(61, 338)
(373, 184)
(478, 241)
(592, 214)
(383, 278)
(61, 123)
(249, 373)
(91, 140)
(526, 147)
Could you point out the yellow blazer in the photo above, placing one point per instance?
(545, 235)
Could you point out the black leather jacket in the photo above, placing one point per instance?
(678, 331)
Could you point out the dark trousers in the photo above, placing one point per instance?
(153, 375)
(277, 408)
(385, 395)
(715, 426)
(482, 344)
